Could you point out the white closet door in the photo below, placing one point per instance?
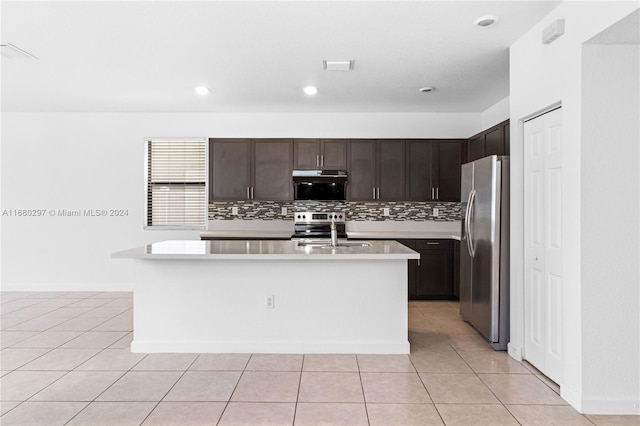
(543, 238)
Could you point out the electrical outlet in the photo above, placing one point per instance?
(269, 302)
(436, 212)
(284, 211)
(385, 211)
(234, 211)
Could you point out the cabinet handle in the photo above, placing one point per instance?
(322, 161)
(248, 193)
(252, 192)
(418, 262)
(432, 194)
(317, 160)
(377, 193)
(374, 192)
(433, 244)
(437, 193)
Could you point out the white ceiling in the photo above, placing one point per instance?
(257, 56)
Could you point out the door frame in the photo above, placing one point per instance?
(515, 347)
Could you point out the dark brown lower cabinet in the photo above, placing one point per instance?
(456, 269)
(433, 276)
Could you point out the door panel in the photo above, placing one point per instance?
(306, 154)
(543, 243)
(485, 238)
(272, 170)
(418, 180)
(475, 148)
(450, 159)
(391, 170)
(334, 154)
(494, 142)
(466, 282)
(362, 170)
(229, 169)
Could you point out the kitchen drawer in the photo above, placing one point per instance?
(433, 244)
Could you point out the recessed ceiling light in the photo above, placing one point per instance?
(310, 90)
(486, 21)
(10, 51)
(201, 90)
(427, 89)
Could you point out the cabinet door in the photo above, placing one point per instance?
(306, 154)
(272, 169)
(229, 169)
(475, 148)
(456, 269)
(506, 132)
(449, 170)
(362, 170)
(412, 266)
(493, 141)
(391, 170)
(418, 174)
(334, 154)
(434, 280)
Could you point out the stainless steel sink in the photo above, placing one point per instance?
(340, 244)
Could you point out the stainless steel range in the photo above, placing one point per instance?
(317, 225)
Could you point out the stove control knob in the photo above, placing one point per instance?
(340, 216)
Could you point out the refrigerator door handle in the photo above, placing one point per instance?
(466, 222)
(472, 200)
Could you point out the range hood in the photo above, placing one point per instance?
(320, 175)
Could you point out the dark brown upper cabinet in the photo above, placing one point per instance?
(448, 170)
(433, 170)
(376, 170)
(419, 164)
(493, 141)
(245, 169)
(312, 154)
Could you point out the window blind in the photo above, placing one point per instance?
(176, 187)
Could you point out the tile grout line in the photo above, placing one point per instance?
(49, 351)
(244, 369)
(168, 391)
(364, 397)
(108, 387)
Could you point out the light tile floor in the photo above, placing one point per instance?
(65, 359)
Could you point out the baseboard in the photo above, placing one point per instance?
(66, 287)
(623, 405)
(288, 347)
(571, 396)
(514, 351)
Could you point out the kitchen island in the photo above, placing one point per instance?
(270, 297)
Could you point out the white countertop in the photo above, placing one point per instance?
(393, 230)
(264, 250)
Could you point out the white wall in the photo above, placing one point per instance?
(610, 218)
(495, 114)
(95, 161)
(541, 76)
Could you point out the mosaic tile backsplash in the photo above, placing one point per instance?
(399, 211)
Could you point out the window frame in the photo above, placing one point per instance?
(147, 193)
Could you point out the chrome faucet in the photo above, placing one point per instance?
(334, 234)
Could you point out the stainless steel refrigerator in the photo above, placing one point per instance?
(484, 248)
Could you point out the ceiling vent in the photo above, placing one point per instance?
(553, 32)
(337, 65)
(10, 51)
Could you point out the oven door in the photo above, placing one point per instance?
(319, 190)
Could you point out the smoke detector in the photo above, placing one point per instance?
(344, 65)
